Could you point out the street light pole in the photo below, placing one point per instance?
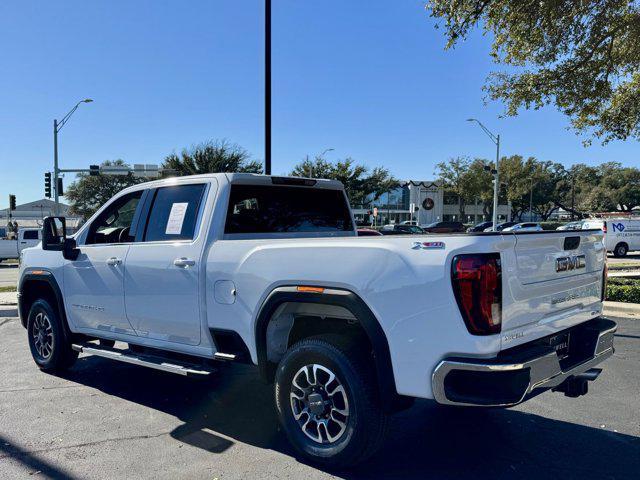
(496, 174)
(496, 185)
(531, 201)
(57, 126)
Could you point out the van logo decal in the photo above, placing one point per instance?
(574, 262)
(618, 227)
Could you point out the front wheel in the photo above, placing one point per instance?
(49, 346)
(326, 397)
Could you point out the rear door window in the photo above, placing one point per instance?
(174, 213)
(284, 209)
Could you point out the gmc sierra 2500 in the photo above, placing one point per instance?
(197, 270)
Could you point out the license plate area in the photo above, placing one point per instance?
(560, 344)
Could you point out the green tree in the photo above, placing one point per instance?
(313, 168)
(88, 193)
(581, 56)
(455, 178)
(360, 184)
(212, 157)
(479, 184)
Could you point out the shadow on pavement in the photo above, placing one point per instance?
(39, 468)
(426, 441)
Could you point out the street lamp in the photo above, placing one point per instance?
(319, 156)
(496, 175)
(57, 126)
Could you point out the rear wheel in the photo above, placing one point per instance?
(621, 250)
(48, 344)
(326, 397)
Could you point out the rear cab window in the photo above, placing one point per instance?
(267, 209)
(30, 235)
(174, 213)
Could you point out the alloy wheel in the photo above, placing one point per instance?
(42, 335)
(319, 404)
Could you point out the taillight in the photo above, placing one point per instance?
(605, 275)
(604, 227)
(477, 284)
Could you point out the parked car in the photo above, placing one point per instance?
(399, 229)
(368, 232)
(27, 237)
(571, 226)
(409, 222)
(444, 227)
(480, 227)
(524, 227)
(501, 226)
(621, 235)
(187, 272)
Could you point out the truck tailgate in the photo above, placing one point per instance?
(552, 280)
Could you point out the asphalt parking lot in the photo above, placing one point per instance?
(8, 274)
(110, 420)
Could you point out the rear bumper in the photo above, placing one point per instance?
(524, 371)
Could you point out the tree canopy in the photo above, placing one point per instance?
(358, 181)
(544, 185)
(212, 157)
(88, 193)
(581, 56)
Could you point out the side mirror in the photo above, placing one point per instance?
(54, 237)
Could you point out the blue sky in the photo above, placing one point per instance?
(369, 78)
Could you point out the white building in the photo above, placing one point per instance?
(433, 204)
(31, 214)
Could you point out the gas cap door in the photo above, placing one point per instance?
(225, 292)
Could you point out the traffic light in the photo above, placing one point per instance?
(47, 184)
(12, 202)
(59, 189)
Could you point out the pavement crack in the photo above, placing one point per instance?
(40, 388)
(24, 452)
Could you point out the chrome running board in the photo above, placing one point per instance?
(149, 361)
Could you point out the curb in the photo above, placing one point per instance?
(622, 309)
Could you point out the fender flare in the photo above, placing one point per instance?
(338, 297)
(42, 276)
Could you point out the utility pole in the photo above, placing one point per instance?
(267, 87)
(56, 196)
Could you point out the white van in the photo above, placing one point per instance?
(621, 235)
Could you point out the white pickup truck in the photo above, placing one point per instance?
(193, 271)
(11, 248)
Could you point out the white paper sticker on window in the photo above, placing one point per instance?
(176, 218)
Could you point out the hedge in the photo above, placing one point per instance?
(623, 290)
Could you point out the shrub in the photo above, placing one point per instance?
(623, 290)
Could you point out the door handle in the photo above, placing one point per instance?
(184, 262)
(114, 261)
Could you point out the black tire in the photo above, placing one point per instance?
(57, 355)
(365, 425)
(621, 250)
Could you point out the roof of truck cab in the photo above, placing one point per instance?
(235, 178)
